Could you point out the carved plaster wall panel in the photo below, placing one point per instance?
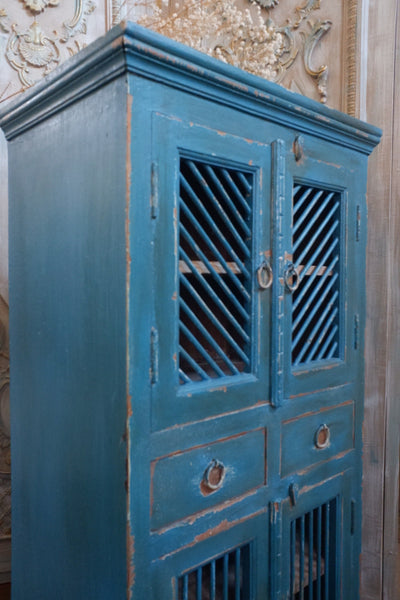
(287, 41)
(36, 35)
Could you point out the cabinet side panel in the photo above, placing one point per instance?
(68, 391)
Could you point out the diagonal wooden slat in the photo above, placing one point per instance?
(314, 237)
(217, 299)
(244, 182)
(298, 203)
(325, 322)
(212, 247)
(322, 298)
(203, 330)
(313, 301)
(214, 203)
(299, 222)
(233, 210)
(211, 224)
(316, 247)
(215, 249)
(200, 348)
(307, 283)
(235, 190)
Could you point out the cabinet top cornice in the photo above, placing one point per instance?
(129, 48)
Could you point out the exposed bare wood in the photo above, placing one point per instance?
(379, 110)
(391, 556)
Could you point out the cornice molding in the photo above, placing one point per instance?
(131, 48)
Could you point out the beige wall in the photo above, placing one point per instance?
(358, 43)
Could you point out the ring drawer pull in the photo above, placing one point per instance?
(264, 275)
(214, 475)
(291, 277)
(322, 436)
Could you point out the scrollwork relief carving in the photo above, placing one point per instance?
(78, 23)
(32, 51)
(320, 74)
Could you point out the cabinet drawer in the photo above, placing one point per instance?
(316, 437)
(185, 483)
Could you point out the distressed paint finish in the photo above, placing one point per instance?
(145, 477)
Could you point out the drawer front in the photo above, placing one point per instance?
(185, 483)
(316, 437)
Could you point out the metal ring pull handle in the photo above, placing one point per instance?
(214, 475)
(322, 437)
(291, 278)
(265, 275)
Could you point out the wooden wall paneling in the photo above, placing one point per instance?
(3, 218)
(379, 83)
(391, 557)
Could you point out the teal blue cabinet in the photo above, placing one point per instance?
(187, 290)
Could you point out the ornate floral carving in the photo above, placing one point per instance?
(244, 38)
(31, 48)
(37, 6)
(33, 52)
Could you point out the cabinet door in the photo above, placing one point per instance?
(211, 215)
(226, 566)
(319, 257)
(315, 543)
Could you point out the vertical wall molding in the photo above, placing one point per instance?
(350, 57)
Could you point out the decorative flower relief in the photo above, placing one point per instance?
(36, 6)
(244, 37)
(220, 29)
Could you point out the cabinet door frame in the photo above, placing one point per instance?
(336, 491)
(341, 180)
(252, 531)
(173, 403)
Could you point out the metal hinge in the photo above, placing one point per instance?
(352, 517)
(356, 331)
(358, 223)
(154, 191)
(153, 355)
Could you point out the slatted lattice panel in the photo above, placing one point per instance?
(316, 255)
(224, 578)
(215, 216)
(313, 553)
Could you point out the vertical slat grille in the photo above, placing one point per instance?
(313, 553)
(215, 246)
(316, 255)
(223, 578)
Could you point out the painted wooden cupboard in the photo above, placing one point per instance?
(187, 290)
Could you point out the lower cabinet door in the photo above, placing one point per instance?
(316, 532)
(231, 565)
